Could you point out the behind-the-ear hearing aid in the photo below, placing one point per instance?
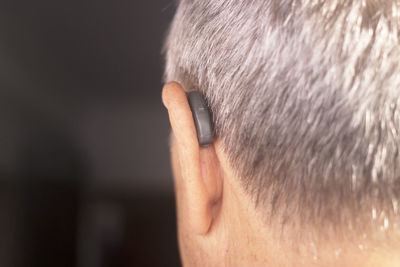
(202, 118)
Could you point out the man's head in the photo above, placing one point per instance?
(305, 96)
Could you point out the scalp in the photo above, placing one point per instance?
(305, 99)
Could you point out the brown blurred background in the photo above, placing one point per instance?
(84, 169)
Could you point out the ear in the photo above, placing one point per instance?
(198, 179)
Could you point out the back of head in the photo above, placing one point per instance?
(305, 96)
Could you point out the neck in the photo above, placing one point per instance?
(250, 241)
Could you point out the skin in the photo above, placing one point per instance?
(217, 222)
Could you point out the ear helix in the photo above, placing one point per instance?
(202, 118)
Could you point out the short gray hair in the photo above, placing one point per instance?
(305, 96)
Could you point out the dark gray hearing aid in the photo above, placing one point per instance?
(202, 118)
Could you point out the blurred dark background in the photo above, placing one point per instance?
(84, 166)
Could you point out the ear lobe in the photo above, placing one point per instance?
(197, 182)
